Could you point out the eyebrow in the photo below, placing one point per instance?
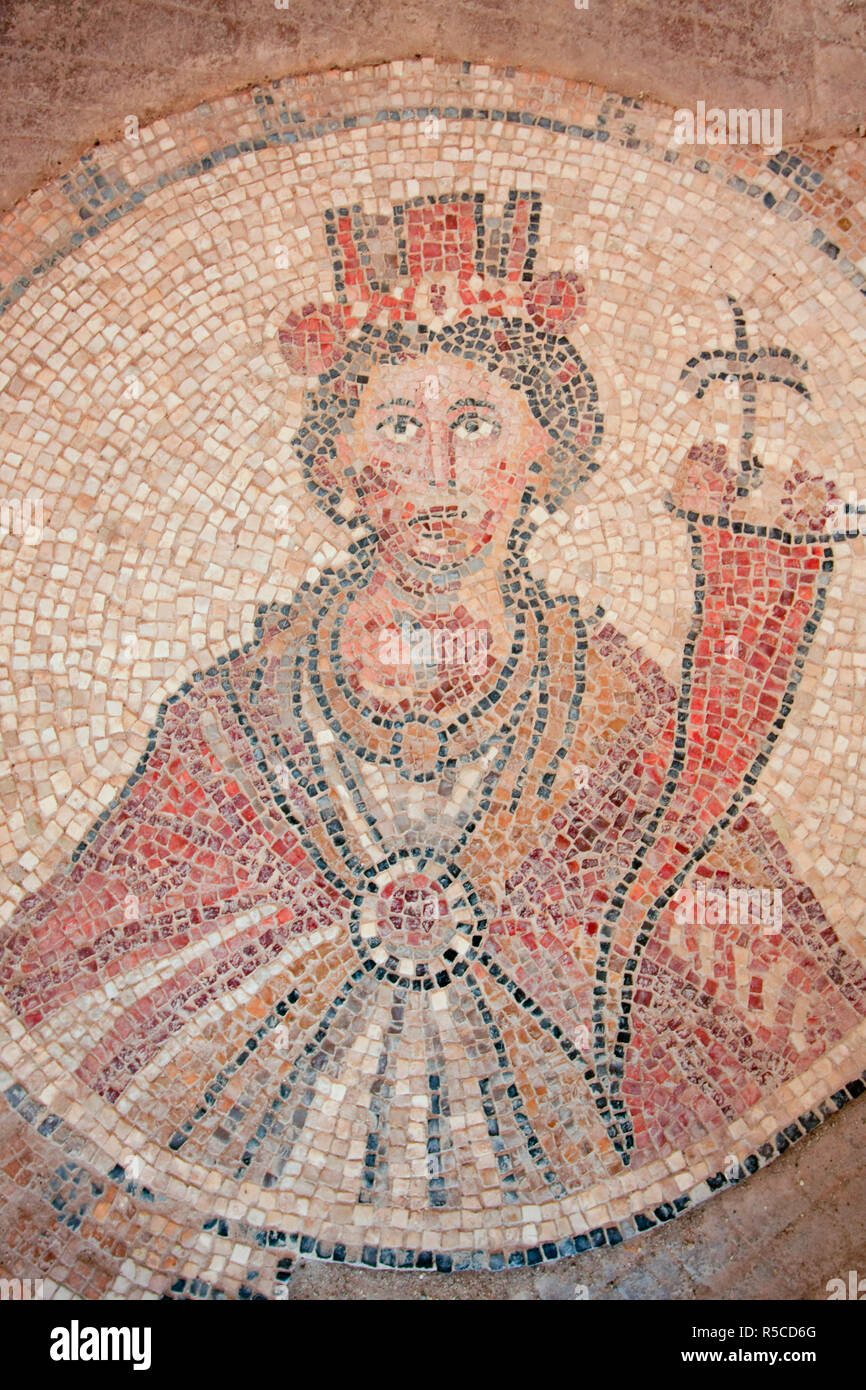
(398, 400)
(485, 405)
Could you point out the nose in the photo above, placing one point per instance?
(440, 455)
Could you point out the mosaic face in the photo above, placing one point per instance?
(442, 453)
(433, 699)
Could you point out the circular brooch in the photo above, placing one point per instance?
(419, 926)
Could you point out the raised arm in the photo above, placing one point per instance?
(759, 594)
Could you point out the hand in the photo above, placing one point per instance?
(802, 503)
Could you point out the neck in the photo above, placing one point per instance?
(398, 635)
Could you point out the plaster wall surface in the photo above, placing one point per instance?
(70, 73)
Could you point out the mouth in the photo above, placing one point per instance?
(438, 521)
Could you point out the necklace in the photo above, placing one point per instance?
(417, 920)
(376, 727)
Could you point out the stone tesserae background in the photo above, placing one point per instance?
(432, 713)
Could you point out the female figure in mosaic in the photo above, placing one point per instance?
(392, 910)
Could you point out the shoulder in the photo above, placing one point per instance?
(284, 630)
(279, 629)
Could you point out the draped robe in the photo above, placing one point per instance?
(197, 957)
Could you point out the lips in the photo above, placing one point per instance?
(438, 521)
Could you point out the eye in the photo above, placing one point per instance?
(475, 427)
(400, 428)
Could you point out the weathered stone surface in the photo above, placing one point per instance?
(71, 72)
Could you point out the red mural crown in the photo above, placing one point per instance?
(434, 261)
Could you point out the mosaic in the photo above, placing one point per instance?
(433, 656)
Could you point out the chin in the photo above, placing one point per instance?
(445, 557)
(430, 553)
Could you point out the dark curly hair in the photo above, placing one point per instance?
(555, 381)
